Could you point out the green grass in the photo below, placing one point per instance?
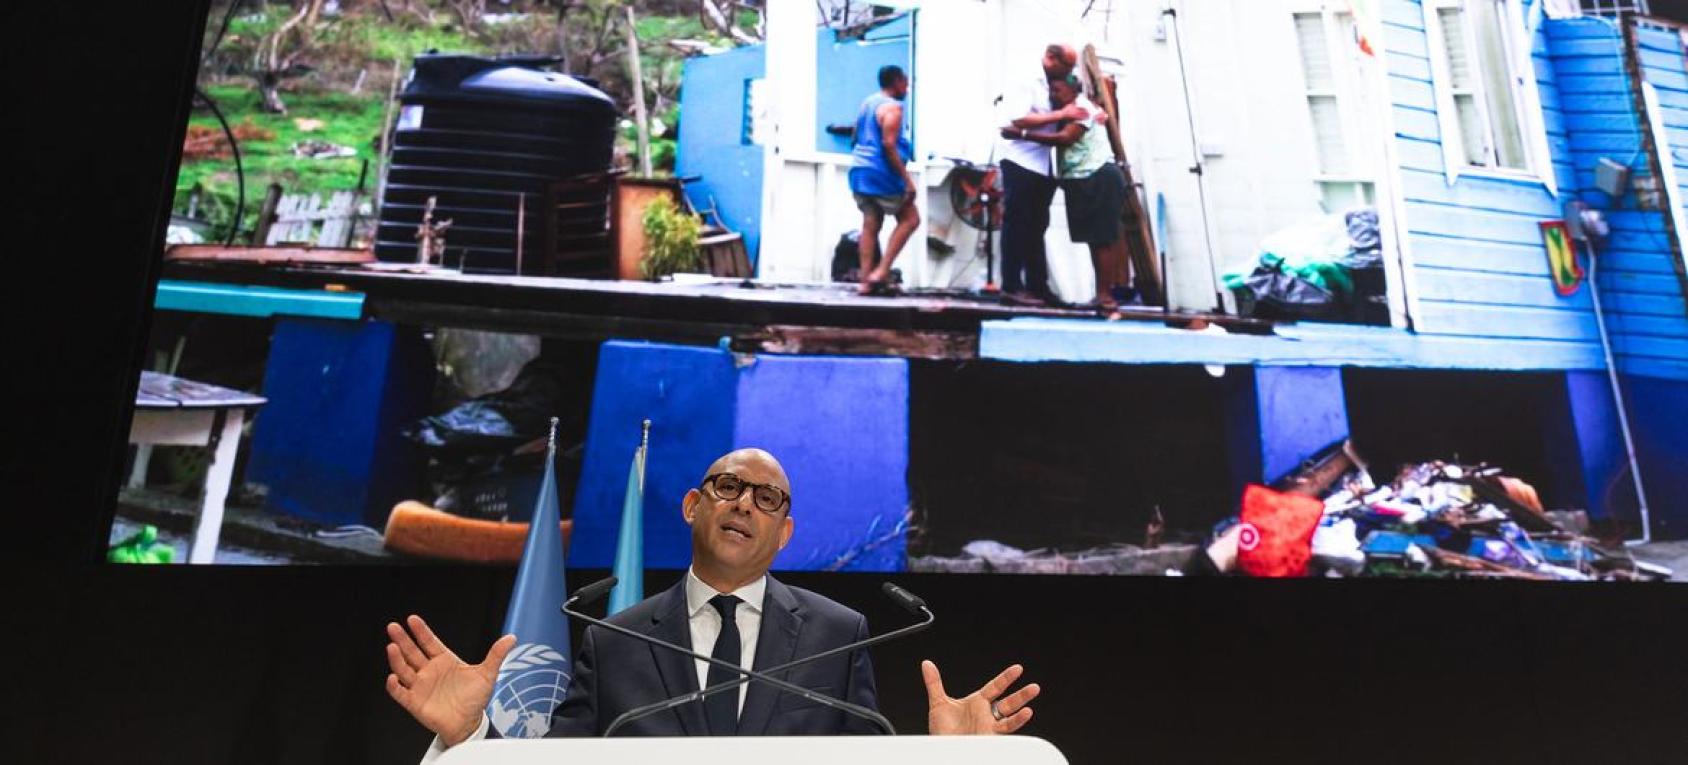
(353, 121)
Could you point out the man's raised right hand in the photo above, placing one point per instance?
(444, 693)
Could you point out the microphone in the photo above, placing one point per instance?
(904, 598)
(908, 600)
(591, 593)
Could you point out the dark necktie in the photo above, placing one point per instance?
(722, 708)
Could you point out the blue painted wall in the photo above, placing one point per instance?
(840, 428)
(1480, 267)
(1277, 417)
(838, 425)
(327, 444)
(1661, 438)
(1479, 263)
(714, 141)
(688, 395)
(848, 70)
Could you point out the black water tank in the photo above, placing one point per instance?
(476, 134)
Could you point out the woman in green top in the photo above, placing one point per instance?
(1094, 185)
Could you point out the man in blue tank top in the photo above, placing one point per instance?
(879, 179)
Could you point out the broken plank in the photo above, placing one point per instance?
(852, 341)
(550, 323)
(303, 255)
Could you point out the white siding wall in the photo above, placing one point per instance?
(1245, 83)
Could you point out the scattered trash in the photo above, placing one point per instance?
(142, 547)
(312, 148)
(1436, 519)
(209, 141)
(1276, 532)
(497, 421)
(179, 234)
(1329, 269)
(486, 456)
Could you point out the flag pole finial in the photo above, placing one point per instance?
(645, 435)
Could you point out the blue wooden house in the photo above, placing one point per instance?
(1498, 116)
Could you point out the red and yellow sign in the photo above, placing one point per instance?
(1562, 262)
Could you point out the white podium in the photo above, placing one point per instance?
(809, 750)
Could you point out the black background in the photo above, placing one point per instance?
(220, 664)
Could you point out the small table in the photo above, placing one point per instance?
(171, 410)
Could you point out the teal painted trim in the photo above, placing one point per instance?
(1327, 345)
(243, 300)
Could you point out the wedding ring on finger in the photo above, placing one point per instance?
(997, 713)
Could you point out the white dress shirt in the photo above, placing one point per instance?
(705, 624)
(1027, 95)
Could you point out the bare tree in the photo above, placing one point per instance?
(273, 66)
(722, 17)
(586, 36)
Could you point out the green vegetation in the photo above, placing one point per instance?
(671, 240)
(346, 120)
(332, 70)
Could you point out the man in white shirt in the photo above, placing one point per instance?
(727, 605)
(1028, 178)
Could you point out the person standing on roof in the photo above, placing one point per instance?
(879, 178)
(1028, 175)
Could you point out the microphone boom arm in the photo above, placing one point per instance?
(818, 698)
(639, 713)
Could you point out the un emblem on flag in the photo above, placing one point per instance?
(532, 682)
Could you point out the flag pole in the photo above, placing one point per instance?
(644, 450)
(629, 552)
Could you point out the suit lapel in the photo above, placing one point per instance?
(672, 623)
(776, 643)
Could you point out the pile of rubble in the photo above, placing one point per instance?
(1330, 518)
(1468, 521)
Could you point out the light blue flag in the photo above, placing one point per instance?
(534, 678)
(630, 544)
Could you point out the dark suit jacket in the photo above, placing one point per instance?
(614, 673)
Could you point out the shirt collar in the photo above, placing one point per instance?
(698, 593)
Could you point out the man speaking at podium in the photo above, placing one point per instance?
(727, 604)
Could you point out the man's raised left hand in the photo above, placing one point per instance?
(985, 712)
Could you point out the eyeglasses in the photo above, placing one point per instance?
(728, 488)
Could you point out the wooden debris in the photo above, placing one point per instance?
(1475, 565)
(297, 217)
(1128, 560)
(216, 253)
(1315, 477)
(848, 341)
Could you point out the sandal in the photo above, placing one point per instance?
(1101, 307)
(883, 289)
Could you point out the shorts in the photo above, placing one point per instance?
(875, 204)
(1095, 204)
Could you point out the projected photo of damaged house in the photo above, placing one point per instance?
(1279, 288)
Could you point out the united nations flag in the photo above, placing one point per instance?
(534, 677)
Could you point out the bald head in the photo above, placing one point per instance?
(1059, 60)
(752, 461)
